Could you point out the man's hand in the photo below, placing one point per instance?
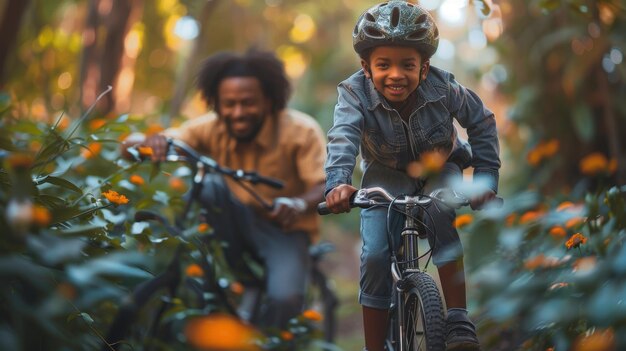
(287, 209)
(478, 201)
(158, 144)
(338, 199)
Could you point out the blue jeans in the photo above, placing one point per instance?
(284, 255)
(376, 280)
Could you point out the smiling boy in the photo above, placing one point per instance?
(393, 111)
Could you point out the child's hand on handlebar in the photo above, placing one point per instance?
(286, 210)
(477, 202)
(338, 199)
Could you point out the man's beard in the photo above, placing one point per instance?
(248, 137)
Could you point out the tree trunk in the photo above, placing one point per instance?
(9, 28)
(102, 55)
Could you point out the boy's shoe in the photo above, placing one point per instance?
(461, 336)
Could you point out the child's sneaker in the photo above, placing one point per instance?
(461, 336)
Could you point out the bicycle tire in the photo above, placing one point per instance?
(423, 314)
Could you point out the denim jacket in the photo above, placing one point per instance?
(365, 122)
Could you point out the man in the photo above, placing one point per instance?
(252, 129)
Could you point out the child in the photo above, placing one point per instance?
(394, 110)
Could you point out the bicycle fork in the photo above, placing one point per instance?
(410, 264)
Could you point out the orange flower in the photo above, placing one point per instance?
(564, 206)
(41, 216)
(530, 216)
(540, 261)
(557, 232)
(575, 241)
(153, 129)
(66, 290)
(115, 198)
(414, 169)
(463, 220)
(285, 335)
(203, 227)
(221, 332)
(597, 340)
(433, 161)
(136, 179)
(594, 164)
(572, 222)
(237, 288)
(92, 150)
(20, 160)
(510, 219)
(97, 123)
(145, 151)
(312, 315)
(543, 150)
(584, 264)
(177, 184)
(194, 270)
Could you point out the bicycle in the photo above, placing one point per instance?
(246, 307)
(417, 321)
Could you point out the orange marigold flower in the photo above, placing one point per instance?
(510, 219)
(572, 222)
(575, 241)
(557, 232)
(598, 340)
(540, 261)
(177, 184)
(543, 150)
(312, 315)
(66, 290)
(194, 270)
(97, 123)
(463, 220)
(145, 151)
(237, 288)
(41, 216)
(584, 264)
(92, 150)
(564, 206)
(136, 179)
(203, 227)
(286, 335)
(153, 129)
(530, 216)
(116, 198)
(221, 332)
(593, 164)
(433, 161)
(20, 160)
(414, 169)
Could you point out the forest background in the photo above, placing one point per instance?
(546, 271)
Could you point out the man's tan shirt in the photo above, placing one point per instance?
(289, 147)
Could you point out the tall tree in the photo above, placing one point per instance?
(9, 26)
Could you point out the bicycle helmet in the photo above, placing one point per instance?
(396, 23)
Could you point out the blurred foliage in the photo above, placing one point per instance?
(562, 67)
(71, 254)
(68, 255)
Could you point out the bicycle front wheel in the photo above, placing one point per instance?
(423, 314)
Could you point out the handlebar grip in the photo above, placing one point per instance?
(322, 209)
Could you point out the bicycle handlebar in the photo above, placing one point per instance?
(237, 174)
(376, 196)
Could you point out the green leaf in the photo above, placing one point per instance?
(59, 182)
